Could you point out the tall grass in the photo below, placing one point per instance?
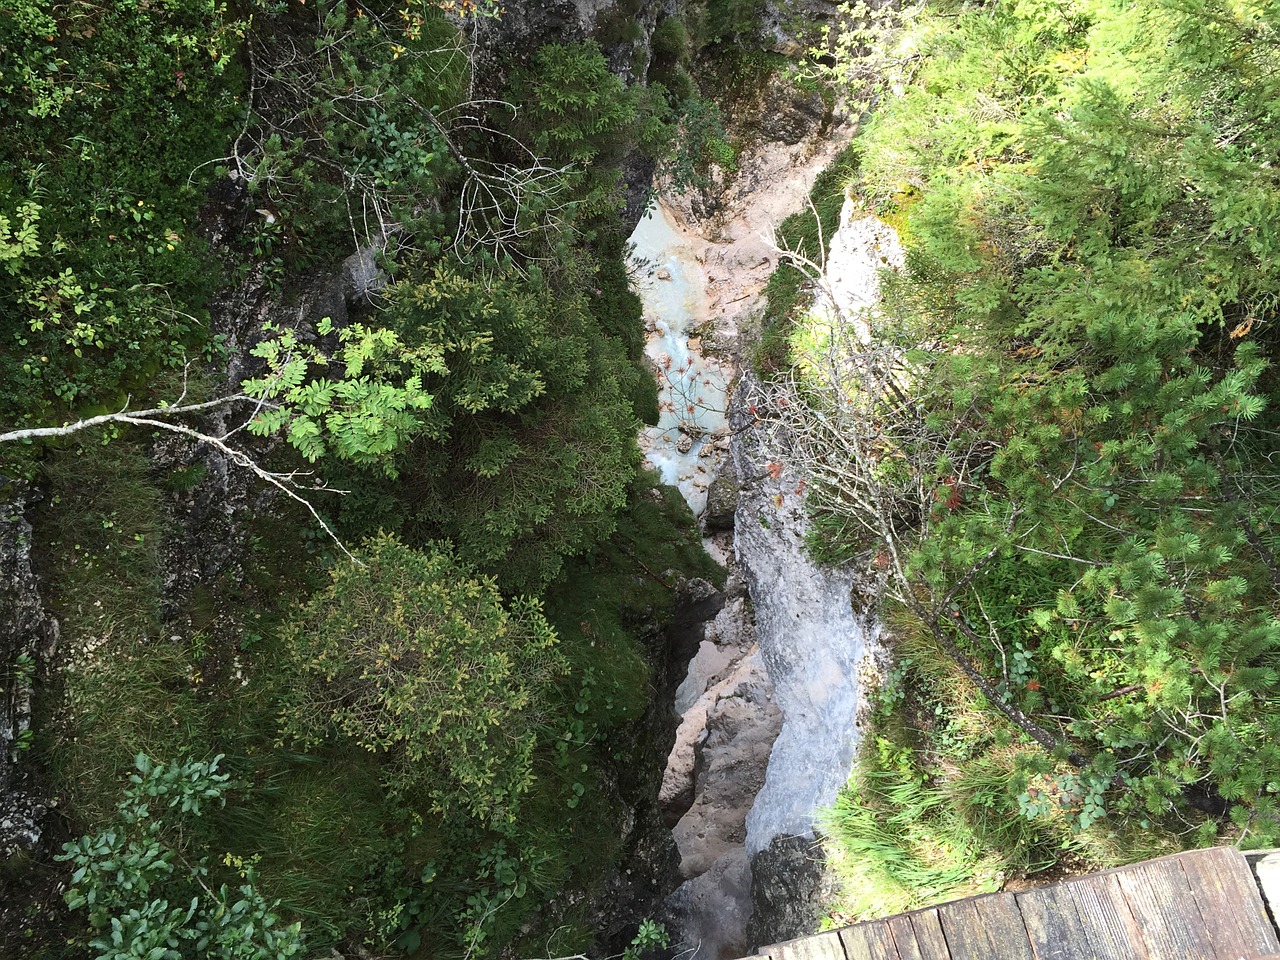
(903, 844)
(931, 812)
(125, 687)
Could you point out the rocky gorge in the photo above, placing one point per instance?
(764, 673)
(769, 706)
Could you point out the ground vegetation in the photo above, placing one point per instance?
(1053, 444)
(379, 720)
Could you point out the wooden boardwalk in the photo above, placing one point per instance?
(1200, 905)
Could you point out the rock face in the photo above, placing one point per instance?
(722, 501)
(728, 722)
(792, 27)
(729, 766)
(789, 884)
(861, 247)
(28, 636)
(622, 28)
(792, 114)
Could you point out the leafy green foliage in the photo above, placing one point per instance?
(360, 417)
(490, 403)
(723, 21)
(112, 111)
(409, 656)
(650, 935)
(1090, 296)
(576, 112)
(146, 900)
(701, 142)
(340, 139)
(528, 448)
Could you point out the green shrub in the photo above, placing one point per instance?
(1091, 395)
(701, 142)
(529, 445)
(111, 114)
(411, 657)
(671, 41)
(148, 889)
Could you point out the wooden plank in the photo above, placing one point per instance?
(822, 946)
(1004, 926)
(1161, 902)
(1109, 926)
(964, 928)
(927, 927)
(868, 941)
(1234, 918)
(905, 940)
(1054, 926)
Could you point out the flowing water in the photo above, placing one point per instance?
(807, 643)
(692, 398)
(811, 641)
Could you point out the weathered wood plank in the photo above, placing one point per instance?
(1109, 926)
(1164, 907)
(904, 938)
(965, 930)
(1199, 905)
(823, 946)
(927, 927)
(1227, 895)
(868, 941)
(1004, 926)
(1054, 926)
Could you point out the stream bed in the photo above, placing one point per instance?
(769, 707)
(692, 388)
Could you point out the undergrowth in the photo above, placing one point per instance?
(931, 811)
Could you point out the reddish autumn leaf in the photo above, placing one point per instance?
(774, 469)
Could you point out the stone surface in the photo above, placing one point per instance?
(623, 28)
(729, 719)
(715, 667)
(790, 882)
(792, 27)
(650, 867)
(730, 237)
(729, 764)
(710, 913)
(722, 501)
(29, 634)
(793, 113)
(860, 249)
